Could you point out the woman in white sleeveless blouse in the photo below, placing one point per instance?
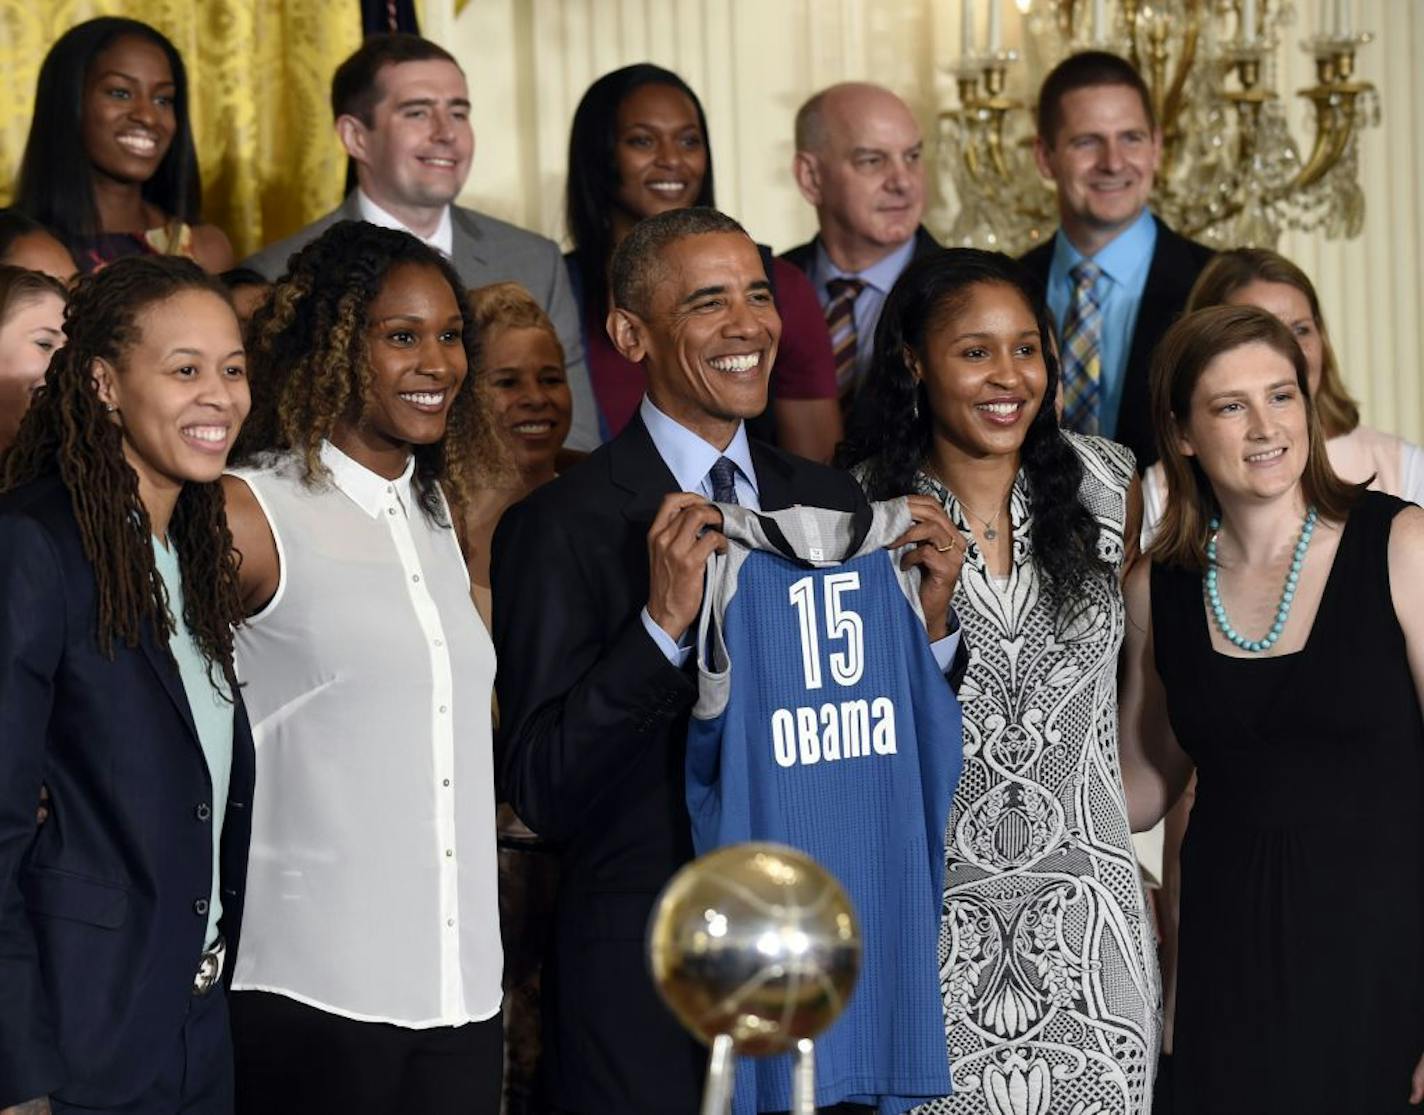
(369, 980)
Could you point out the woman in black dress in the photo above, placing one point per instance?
(1276, 642)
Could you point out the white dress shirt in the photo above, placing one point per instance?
(442, 239)
(371, 883)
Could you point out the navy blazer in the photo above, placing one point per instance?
(103, 909)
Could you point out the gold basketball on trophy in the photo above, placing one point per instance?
(757, 942)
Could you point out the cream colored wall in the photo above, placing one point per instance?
(753, 61)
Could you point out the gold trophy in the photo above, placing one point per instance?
(756, 949)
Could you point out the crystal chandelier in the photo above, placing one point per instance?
(1231, 174)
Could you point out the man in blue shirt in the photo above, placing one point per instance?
(598, 581)
(859, 161)
(1114, 275)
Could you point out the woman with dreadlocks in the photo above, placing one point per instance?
(372, 979)
(117, 694)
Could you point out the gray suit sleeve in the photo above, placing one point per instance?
(583, 433)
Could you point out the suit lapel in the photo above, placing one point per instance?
(167, 671)
(467, 244)
(774, 486)
(638, 469)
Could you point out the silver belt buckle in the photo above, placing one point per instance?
(210, 966)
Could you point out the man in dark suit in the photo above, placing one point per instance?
(859, 161)
(1115, 276)
(402, 111)
(597, 581)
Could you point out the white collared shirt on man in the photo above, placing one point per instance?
(442, 239)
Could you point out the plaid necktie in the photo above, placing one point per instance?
(724, 481)
(1082, 356)
(840, 320)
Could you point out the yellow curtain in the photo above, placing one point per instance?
(259, 76)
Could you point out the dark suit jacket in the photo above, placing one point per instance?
(804, 255)
(593, 729)
(103, 909)
(1176, 263)
(486, 250)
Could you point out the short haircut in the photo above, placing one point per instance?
(811, 123)
(356, 85)
(1178, 363)
(243, 276)
(509, 306)
(636, 264)
(1083, 71)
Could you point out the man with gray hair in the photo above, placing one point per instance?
(859, 161)
(597, 581)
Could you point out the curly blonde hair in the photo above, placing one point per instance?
(309, 365)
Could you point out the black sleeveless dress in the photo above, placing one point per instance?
(1301, 977)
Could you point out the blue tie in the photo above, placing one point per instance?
(724, 481)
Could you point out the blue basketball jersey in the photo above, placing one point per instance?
(823, 722)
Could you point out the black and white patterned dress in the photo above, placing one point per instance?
(1046, 952)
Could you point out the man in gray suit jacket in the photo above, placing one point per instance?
(402, 112)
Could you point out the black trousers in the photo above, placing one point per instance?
(292, 1059)
(195, 1075)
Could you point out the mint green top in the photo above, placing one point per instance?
(212, 715)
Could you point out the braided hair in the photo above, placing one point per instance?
(68, 432)
(309, 365)
(892, 428)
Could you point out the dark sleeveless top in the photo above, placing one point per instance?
(1301, 977)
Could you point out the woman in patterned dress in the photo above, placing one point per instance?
(1046, 957)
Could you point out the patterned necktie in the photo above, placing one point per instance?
(724, 481)
(1082, 355)
(840, 320)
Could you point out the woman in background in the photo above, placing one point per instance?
(371, 985)
(110, 163)
(521, 374)
(31, 332)
(1276, 644)
(1358, 453)
(1046, 961)
(117, 694)
(639, 146)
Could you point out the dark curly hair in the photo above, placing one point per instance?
(310, 368)
(892, 427)
(68, 432)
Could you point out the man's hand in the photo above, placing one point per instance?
(939, 552)
(1416, 1085)
(685, 532)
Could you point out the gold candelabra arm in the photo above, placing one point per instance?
(1170, 110)
(1335, 120)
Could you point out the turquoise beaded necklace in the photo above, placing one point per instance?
(1213, 592)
